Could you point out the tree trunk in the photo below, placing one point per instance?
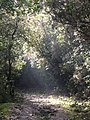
(11, 82)
(11, 88)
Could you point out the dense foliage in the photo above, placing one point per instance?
(59, 37)
(12, 42)
(75, 17)
(73, 12)
(45, 46)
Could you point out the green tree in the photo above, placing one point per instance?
(75, 18)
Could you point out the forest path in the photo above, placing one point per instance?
(38, 107)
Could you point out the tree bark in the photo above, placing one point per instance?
(9, 78)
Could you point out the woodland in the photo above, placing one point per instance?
(45, 55)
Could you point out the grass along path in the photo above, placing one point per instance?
(4, 110)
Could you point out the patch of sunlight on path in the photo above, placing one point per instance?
(50, 100)
(44, 107)
(39, 107)
(77, 110)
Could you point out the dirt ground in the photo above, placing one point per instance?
(38, 107)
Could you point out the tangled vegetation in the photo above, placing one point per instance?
(45, 45)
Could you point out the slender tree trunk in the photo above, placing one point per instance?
(11, 82)
(9, 62)
(9, 68)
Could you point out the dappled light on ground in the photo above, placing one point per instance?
(50, 100)
(38, 106)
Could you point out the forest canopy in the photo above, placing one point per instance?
(54, 36)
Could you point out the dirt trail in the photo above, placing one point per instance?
(38, 107)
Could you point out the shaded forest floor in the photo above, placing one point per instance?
(36, 106)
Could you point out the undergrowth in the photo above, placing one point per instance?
(4, 109)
